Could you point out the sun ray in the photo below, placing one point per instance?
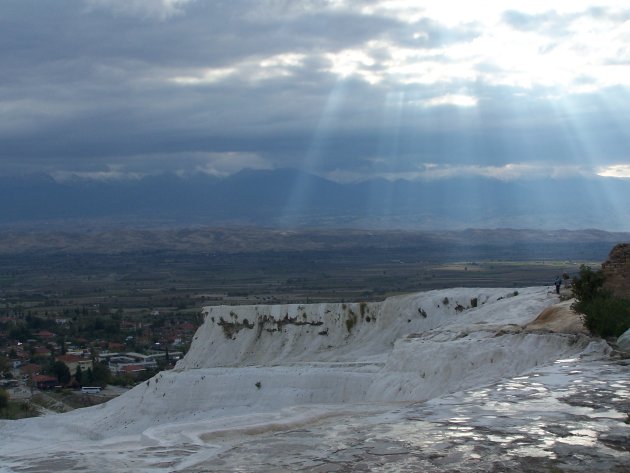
(319, 143)
(388, 152)
(589, 148)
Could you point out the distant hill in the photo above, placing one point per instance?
(290, 198)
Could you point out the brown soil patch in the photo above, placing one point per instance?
(559, 318)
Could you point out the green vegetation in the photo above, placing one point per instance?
(127, 379)
(351, 320)
(100, 375)
(4, 364)
(362, 308)
(14, 409)
(61, 371)
(605, 314)
(230, 329)
(589, 284)
(4, 399)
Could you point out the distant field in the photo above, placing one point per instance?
(178, 271)
(181, 282)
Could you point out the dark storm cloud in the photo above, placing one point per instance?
(141, 87)
(88, 84)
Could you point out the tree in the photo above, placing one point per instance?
(78, 374)
(89, 377)
(100, 374)
(61, 371)
(605, 314)
(589, 284)
(4, 364)
(4, 398)
(20, 332)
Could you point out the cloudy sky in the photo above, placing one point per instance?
(345, 89)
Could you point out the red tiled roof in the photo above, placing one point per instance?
(40, 378)
(30, 368)
(69, 358)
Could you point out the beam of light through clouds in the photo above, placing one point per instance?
(349, 90)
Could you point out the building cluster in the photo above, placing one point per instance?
(33, 371)
(28, 360)
(131, 363)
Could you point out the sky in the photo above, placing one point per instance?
(348, 90)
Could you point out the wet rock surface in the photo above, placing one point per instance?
(567, 417)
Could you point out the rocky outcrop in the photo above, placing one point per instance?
(617, 271)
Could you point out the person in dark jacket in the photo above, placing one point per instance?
(558, 283)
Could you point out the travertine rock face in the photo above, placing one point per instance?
(617, 270)
(623, 341)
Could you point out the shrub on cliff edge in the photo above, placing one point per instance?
(605, 314)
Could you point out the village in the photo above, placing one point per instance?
(55, 362)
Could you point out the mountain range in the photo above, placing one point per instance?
(291, 198)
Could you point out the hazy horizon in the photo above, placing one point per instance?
(528, 99)
(269, 199)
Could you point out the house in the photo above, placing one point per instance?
(116, 346)
(41, 352)
(72, 361)
(118, 363)
(44, 381)
(128, 326)
(30, 369)
(187, 327)
(133, 370)
(45, 335)
(9, 383)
